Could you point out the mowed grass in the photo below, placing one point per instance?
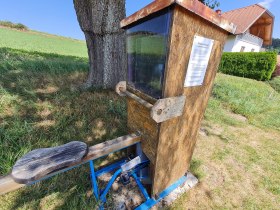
(236, 158)
(40, 107)
(41, 42)
(275, 83)
(238, 150)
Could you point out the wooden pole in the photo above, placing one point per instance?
(7, 184)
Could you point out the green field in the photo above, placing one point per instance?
(41, 42)
(236, 159)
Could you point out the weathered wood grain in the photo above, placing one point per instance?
(177, 137)
(140, 94)
(139, 119)
(40, 162)
(111, 146)
(7, 183)
(138, 99)
(168, 108)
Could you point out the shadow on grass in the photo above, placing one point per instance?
(39, 109)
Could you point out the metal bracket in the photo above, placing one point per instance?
(131, 164)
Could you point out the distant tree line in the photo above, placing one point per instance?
(211, 3)
(275, 45)
(9, 24)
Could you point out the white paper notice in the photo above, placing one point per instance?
(199, 59)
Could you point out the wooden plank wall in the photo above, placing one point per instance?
(139, 120)
(177, 137)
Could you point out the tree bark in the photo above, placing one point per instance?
(100, 20)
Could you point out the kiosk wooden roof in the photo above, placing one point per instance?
(193, 6)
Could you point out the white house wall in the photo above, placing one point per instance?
(229, 43)
(234, 45)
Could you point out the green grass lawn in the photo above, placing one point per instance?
(275, 83)
(41, 42)
(236, 159)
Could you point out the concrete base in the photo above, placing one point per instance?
(168, 200)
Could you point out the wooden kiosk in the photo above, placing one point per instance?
(174, 49)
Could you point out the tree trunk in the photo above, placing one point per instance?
(100, 20)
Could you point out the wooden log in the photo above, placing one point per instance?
(7, 183)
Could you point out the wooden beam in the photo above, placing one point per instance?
(121, 90)
(7, 183)
(139, 100)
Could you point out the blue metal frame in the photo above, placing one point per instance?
(141, 187)
(99, 194)
(151, 202)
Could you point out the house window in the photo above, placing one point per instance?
(242, 49)
(253, 50)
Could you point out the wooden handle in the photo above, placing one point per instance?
(162, 110)
(122, 91)
(138, 99)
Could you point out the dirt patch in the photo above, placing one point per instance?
(47, 90)
(235, 172)
(121, 196)
(237, 117)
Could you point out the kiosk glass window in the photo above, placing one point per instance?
(147, 53)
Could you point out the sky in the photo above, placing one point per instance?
(58, 16)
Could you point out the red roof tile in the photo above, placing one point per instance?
(244, 17)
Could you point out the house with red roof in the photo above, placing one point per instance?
(254, 29)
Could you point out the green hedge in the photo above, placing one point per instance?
(258, 66)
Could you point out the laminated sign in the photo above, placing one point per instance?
(199, 59)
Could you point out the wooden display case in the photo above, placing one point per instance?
(174, 50)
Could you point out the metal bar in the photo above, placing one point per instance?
(94, 180)
(106, 190)
(151, 202)
(141, 187)
(110, 168)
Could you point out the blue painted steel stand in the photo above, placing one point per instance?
(152, 201)
(100, 195)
